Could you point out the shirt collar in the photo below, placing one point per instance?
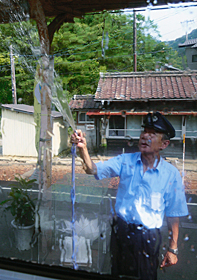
(158, 166)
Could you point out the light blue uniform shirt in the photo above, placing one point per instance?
(144, 198)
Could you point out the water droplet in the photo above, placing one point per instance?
(186, 238)
(169, 234)
(192, 248)
(102, 236)
(140, 227)
(148, 241)
(128, 236)
(145, 254)
(189, 217)
(75, 266)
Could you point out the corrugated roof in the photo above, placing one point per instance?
(83, 102)
(27, 109)
(147, 86)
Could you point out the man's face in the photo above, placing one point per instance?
(151, 142)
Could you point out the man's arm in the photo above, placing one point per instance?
(173, 227)
(90, 165)
(79, 139)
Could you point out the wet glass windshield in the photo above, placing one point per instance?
(92, 86)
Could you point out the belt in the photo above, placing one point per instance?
(132, 226)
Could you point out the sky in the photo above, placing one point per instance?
(173, 22)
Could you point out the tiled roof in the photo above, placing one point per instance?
(147, 85)
(83, 102)
(189, 43)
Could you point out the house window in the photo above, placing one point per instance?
(130, 126)
(116, 126)
(134, 126)
(176, 121)
(191, 127)
(194, 58)
(83, 118)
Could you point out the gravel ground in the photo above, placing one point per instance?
(9, 171)
(11, 166)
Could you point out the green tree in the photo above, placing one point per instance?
(94, 43)
(22, 36)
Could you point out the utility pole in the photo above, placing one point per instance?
(134, 42)
(185, 25)
(13, 77)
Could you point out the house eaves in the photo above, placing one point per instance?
(139, 113)
(146, 100)
(188, 43)
(66, 10)
(84, 102)
(26, 109)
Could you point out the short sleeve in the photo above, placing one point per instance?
(109, 168)
(175, 199)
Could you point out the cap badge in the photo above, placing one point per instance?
(155, 118)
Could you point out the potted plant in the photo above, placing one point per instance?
(22, 207)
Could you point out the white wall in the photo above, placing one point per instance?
(18, 134)
(59, 140)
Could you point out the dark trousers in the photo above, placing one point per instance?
(135, 250)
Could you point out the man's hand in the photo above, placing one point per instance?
(169, 260)
(78, 139)
(173, 227)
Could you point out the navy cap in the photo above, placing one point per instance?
(159, 123)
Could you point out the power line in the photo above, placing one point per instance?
(176, 10)
(59, 52)
(165, 7)
(93, 51)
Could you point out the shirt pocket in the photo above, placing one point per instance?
(157, 201)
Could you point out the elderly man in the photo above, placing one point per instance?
(149, 187)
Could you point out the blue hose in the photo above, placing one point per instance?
(73, 198)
